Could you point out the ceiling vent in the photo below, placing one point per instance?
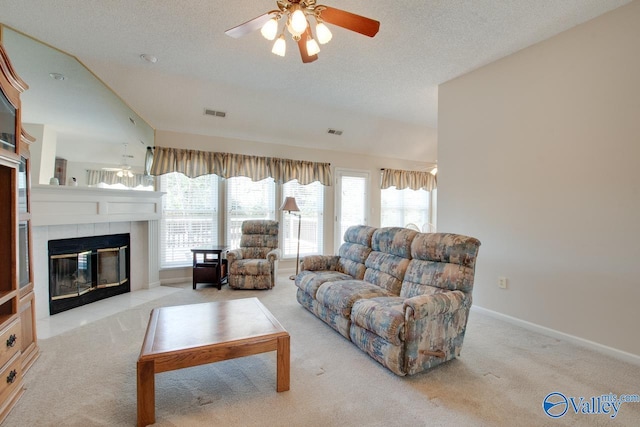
(334, 132)
(214, 113)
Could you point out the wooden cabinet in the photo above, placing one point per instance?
(26, 302)
(18, 344)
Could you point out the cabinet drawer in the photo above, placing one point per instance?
(10, 342)
(10, 378)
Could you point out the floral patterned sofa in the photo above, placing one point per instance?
(404, 299)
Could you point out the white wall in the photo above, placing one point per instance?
(538, 158)
(337, 159)
(43, 152)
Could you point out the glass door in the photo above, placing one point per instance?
(352, 202)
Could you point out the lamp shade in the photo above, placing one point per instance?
(290, 205)
(270, 29)
(280, 46)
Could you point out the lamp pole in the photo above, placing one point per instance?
(291, 206)
(298, 251)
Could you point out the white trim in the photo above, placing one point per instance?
(609, 351)
(176, 281)
(65, 205)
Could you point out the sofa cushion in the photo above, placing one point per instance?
(310, 281)
(440, 260)
(355, 250)
(351, 259)
(386, 270)
(339, 296)
(393, 240)
(250, 267)
(259, 226)
(382, 316)
(360, 234)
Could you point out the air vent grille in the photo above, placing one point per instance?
(214, 113)
(334, 132)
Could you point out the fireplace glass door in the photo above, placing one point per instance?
(112, 265)
(72, 275)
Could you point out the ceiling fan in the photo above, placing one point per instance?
(296, 15)
(124, 170)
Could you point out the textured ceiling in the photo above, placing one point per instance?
(381, 92)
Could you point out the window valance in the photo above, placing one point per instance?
(194, 163)
(95, 177)
(402, 179)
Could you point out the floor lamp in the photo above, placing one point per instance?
(291, 206)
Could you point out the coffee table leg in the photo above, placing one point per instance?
(283, 364)
(146, 393)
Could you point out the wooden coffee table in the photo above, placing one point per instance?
(190, 335)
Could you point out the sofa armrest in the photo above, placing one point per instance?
(319, 263)
(273, 255)
(435, 304)
(234, 255)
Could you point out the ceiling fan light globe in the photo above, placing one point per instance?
(323, 33)
(270, 29)
(298, 22)
(312, 47)
(279, 47)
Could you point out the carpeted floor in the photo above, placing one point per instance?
(87, 377)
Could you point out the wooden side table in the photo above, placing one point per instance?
(209, 266)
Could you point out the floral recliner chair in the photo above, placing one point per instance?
(254, 264)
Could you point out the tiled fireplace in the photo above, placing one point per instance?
(71, 215)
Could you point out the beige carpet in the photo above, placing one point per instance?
(87, 377)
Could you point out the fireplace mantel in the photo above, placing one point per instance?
(59, 205)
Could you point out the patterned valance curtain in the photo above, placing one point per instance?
(194, 163)
(402, 179)
(95, 177)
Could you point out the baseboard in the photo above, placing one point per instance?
(609, 351)
(176, 280)
(153, 285)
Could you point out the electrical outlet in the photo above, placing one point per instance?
(502, 282)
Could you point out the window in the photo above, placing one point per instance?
(247, 199)
(310, 200)
(189, 217)
(400, 208)
(194, 211)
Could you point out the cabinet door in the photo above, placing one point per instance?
(8, 245)
(8, 125)
(25, 280)
(29, 342)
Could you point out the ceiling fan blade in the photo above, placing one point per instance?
(350, 21)
(249, 26)
(302, 45)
